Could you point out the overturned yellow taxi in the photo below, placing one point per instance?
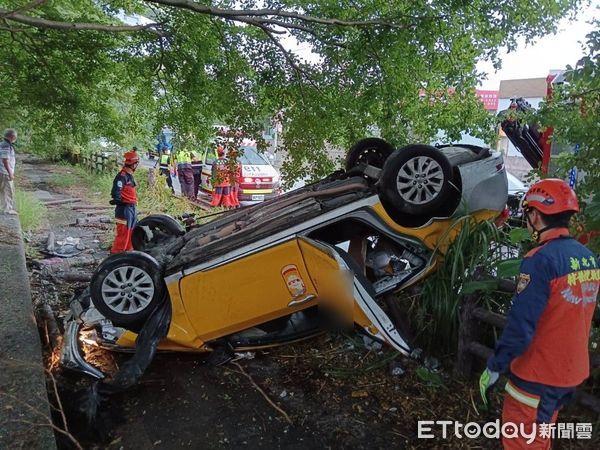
(270, 273)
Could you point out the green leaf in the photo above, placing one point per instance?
(471, 287)
(518, 235)
(509, 268)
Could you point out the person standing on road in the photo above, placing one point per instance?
(235, 168)
(185, 173)
(544, 345)
(221, 181)
(166, 167)
(197, 170)
(124, 197)
(7, 172)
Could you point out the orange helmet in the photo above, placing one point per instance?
(131, 158)
(551, 196)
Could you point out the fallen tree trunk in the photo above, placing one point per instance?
(73, 276)
(495, 319)
(57, 264)
(101, 226)
(62, 201)
(93, 219)
(80, 207)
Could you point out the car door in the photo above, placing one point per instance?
(247, 291)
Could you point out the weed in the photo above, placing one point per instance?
(432, 379)
(62, 180)
(31, 210)
(32, 252)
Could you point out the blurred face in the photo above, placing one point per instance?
(12, 137)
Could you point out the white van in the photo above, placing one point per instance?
(259, 180)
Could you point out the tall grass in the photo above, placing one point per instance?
(63, 180)
(477, 245)
(31, 211)
(155, 199)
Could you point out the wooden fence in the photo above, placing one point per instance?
(102, 162)
(473, 320)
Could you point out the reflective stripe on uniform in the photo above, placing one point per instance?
(521, 396)
(121, 221)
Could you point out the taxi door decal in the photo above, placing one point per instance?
(293, 280)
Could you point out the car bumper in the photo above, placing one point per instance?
(71, 354)
(81, 322)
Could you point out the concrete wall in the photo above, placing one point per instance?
(24, 410)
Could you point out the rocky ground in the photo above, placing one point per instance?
(329, 392)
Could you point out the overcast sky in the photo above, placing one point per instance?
(550, 52)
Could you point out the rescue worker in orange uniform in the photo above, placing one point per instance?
(544, 346)
(221, 181)
(235, 177)
(124, 197)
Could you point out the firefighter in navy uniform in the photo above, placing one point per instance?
(544, 346)
(197, 170)
(185, 173)
(165, 167)
(124, 197)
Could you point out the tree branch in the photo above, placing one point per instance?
(237, 14)
(26, 7)
(12, 30)
(288, 56)
(38, 22)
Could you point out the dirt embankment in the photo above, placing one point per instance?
(329, 392)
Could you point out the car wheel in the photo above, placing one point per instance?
(126, 287)
(371, 151)
(153, 230)
(415, 180)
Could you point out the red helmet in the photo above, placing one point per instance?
(131, 157)
(551, 196)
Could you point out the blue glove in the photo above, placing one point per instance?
(486, 381)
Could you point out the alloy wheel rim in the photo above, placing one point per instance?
(420, 180)
(127, 290)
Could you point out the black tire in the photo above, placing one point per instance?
(416, 180)
(134, 278)
(153, 230)
(371, 151)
